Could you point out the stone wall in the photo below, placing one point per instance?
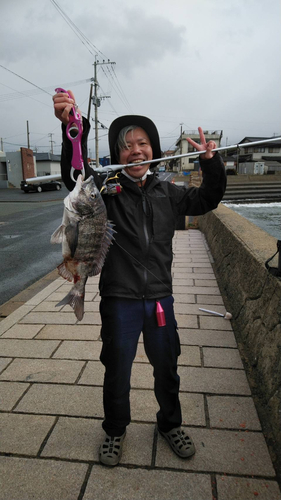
(253, 296)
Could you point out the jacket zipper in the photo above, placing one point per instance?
(144, 208)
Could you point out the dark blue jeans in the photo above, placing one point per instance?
(123, 320)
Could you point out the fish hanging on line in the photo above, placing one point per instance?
(85, 234)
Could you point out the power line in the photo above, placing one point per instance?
(90, 46)
(85, 41)
(119, 92)
(119, 85)
(10, 71)
(118, 88)
(23, 95)
(28, 93)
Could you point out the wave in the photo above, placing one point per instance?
(253, 205)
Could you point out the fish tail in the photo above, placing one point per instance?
(75, 298)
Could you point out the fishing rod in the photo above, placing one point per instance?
(114, 168)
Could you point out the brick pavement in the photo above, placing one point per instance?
(51, 402)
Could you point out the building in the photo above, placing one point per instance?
(47, 164)
(168, 164)
(258, 159)
(20, 165)
(16, 166)
(183, 147)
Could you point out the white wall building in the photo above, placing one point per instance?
(47, 164)
(260, 159)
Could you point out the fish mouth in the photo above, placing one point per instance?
(88, 180)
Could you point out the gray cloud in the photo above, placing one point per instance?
(210, 63)
(140, 39)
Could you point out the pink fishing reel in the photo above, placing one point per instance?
(74, 131)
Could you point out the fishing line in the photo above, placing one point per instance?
(142, 265)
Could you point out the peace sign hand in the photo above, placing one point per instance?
(204, 146)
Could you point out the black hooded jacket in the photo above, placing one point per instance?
(138, 264)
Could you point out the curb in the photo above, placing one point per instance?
(21, 298)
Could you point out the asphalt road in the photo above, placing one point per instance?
(27, 221)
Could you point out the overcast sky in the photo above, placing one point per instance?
(209, 63)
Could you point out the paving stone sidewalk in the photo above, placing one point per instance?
(51, 402)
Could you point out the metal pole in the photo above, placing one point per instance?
(97, 103)
(27, 126)
(90, 102)
(181, 124)
(51, 141)
(113, 168)
(96, 114)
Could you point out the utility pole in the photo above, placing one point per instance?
(27, 126)
(181, 124)
(52, 142)
(90, 102)
(97, 102)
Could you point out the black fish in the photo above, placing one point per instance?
(85, 234)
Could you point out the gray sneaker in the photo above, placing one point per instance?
(111, 450)
(180, 442)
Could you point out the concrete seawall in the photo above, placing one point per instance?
(253, 296)
(254, 187)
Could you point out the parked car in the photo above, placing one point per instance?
(42, 186)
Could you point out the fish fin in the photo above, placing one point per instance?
(110, 231)
(57, 236)
(72, 234)
(96, 270)
(64, 272)
(108, 237)
(76, 300)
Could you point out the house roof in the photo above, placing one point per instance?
(255, 139)
(47, 157)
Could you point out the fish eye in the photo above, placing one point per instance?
(92, 195)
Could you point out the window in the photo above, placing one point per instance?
(254, 150)
(274, 150)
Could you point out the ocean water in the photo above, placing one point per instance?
(267, 216)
